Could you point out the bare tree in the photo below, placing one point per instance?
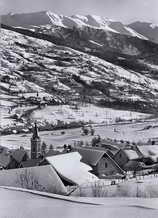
(28, 180)
(99, 190)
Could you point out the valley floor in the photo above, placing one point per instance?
(132, 132)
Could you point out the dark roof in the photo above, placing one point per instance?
(4, 159)
(109, 151)
(90, 156)
(30, 163)
(109, 146)
(19, 154)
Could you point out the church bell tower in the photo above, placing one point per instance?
(35, 143)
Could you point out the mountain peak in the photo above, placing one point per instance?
(43, 18)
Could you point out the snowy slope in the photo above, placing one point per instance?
(135, 34)
(35, 64)
(147, 29)
(36, 204)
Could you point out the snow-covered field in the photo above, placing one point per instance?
(89, 113)
(4, 117)
(130, 132)
(65, 113)
(24, 204)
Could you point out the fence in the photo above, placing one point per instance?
(100, 188)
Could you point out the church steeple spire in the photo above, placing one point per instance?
(35, 132)
(35, 143)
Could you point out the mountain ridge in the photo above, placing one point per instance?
(27, 20)
(148, 29)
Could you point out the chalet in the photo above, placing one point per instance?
(101, 162)
(125, 158)
(5, 160)
(70, 168)
(17, 157)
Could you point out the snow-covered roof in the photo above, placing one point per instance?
(149, 151)
(40, 178)
(131, 154)
(71, 169)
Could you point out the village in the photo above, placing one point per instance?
(69, 150)
(72, 168)
(79, 109)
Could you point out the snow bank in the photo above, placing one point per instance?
(36, 205)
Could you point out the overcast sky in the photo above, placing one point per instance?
(122, 10)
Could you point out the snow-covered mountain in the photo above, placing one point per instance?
(33, 64)
(31, 20)
(80, 55)
(149, 30)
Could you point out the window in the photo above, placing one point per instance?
(33, 149)
(106, 165)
